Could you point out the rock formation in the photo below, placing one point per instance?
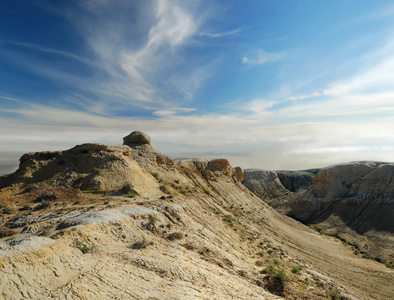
(296, 181)
(136, 137)
(263, 183)
(269, 185)
(127, 222)
(354, 201)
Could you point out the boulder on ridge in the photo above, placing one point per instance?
(136, 137)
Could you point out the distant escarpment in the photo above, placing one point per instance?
(354, 201)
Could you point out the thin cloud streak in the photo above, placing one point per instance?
(222, 34)
(261, 57)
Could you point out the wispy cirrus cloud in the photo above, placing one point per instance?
(136, 70)
(129, 55)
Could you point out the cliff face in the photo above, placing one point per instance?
(278, 188)
(263, 183)
(354, 201)
(127, 222)
(269, 185)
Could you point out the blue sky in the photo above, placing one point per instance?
(267, 84)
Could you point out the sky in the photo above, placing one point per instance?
(270, 84)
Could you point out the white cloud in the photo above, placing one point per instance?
(221, 34)
(172, 111)
(287, 138)
(261, 57)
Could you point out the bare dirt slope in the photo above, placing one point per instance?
(126, 222)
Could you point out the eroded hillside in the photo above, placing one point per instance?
(126, 222)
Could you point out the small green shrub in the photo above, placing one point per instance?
(229, 219)
(302, 288)
(128, 189)
(345, 243)
(83, 247)
(276, 261)
(296, 269)
(280, 277)
(335, 295)
(183, 191)
(389, 264)
(141, 245)
(155, 174)
(261, 253)
(151, 225)
(368, 256)
(270, 269)
(175, 236)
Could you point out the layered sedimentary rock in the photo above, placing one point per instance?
(269, 185)
(354, 201)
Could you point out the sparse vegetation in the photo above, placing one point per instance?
(389, 264)
(25, 207)
(8, 210)
(175, 236)
(229, 219)
(268, 269)
(296, 269)
(83, 247)
(259, 263)
(276, 261)
(128, 189)
(280, 277)
(151, 225)
(46, 196)
(155, 174)
(98, 171)
(43, 205)
(164, 189)
(5, 231)
(335, 295)
(141, 245)
(243, 273)
(277, 279)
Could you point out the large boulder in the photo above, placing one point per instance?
(136, 137)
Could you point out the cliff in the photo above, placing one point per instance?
(354, 201)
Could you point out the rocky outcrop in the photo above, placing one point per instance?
(265, 184)
(136, 137)
(239, 173)
(354, 201)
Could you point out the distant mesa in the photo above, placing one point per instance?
(136, 137)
